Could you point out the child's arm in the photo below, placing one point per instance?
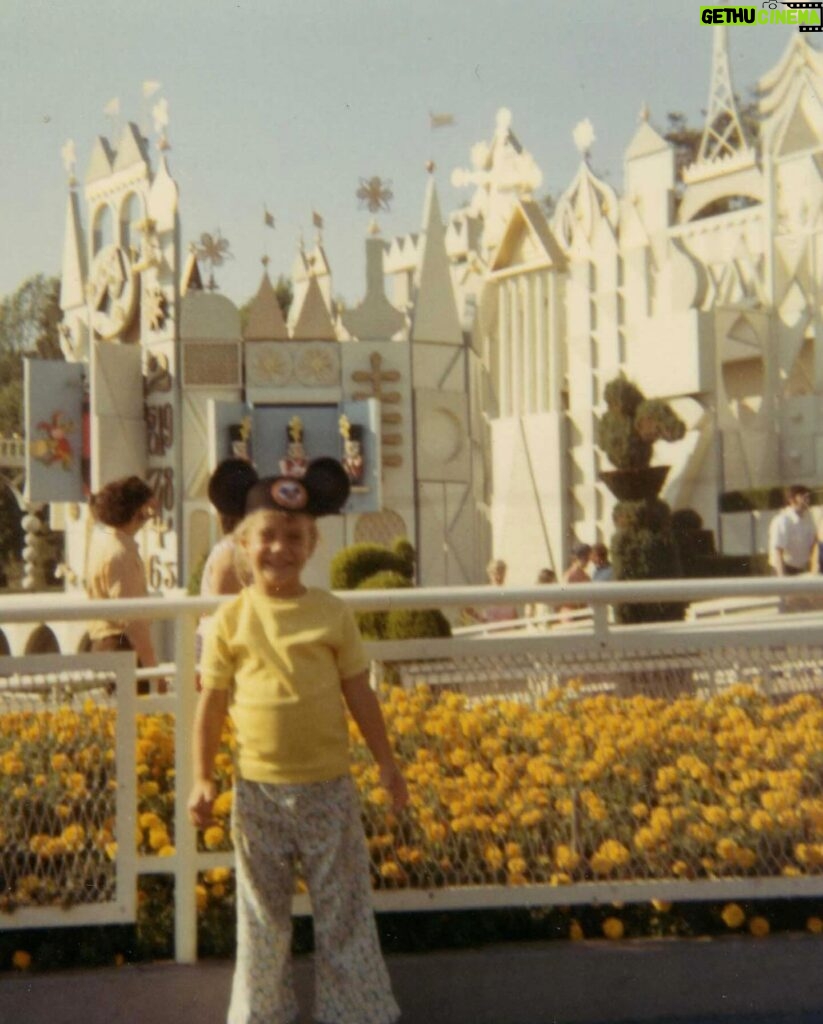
(364, 706)
(208, 728)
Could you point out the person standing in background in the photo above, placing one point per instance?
(793, 534)
(114, 568)
(603, 568)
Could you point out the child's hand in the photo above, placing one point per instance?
(201, 802)
(391, 778)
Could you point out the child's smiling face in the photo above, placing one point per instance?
(278, 545)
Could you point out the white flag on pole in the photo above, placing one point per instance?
(150, 87)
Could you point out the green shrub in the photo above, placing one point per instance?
(373, 624)
(357, 562)
(632, 423)
(408, 623)
(375, 567)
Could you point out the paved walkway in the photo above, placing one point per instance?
(777, 980)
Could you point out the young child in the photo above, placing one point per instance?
(284, 659)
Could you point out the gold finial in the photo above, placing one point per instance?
(296, 428)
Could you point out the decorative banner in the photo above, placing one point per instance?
(54, 430)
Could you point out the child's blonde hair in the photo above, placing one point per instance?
(245, 527)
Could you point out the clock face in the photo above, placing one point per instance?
(111, 292)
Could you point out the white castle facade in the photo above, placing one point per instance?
(474, 367)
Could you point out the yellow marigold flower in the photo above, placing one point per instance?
(223, 803)
(148, 789)
(565, 857)
(158, 838)
(746, 858)
(613, 928)
(761, 821)
(560, 878)
(814, 925)
(213, 837)
(202, 897)
(516, 866)
(701, 832)
(680, 869)
(378, 796)
(392, 871)
(59, 762)
(494, 856)
(215, 876)
(733, 916)
(662, 906)
(639, 811)
(528, 819)
(21, 961)
(575, 931)
(759, 927)
(727, 849)
(166, 851)
(435, 831)
(74, 836)
(149, 820)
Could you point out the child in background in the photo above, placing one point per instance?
(286, 660)
(228, 486)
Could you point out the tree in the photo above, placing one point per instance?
(29, 318)
(29, 326)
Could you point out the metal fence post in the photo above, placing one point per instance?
(185, 837)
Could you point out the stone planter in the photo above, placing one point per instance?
(635, 484)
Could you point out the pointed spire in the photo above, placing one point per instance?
(265, 321)
(132, 149)
(163, 197)
(435, 316)
(313, 321)
(73, 274)
(101, 160)
(723, 135)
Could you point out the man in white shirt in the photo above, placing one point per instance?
(792, 534)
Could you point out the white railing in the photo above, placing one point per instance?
(709, 647)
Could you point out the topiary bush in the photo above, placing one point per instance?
(408, 623)
(632, 423)
(357, 562)
(375, 567)
(373, 624)
(645, 545)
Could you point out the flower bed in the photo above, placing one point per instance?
(571, 789)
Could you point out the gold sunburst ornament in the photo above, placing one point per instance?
(375, 194)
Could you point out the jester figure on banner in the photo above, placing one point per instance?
(54, 447)
(353, 463)
(295, 462)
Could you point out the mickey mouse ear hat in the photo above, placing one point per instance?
(322, 491)
(229, 484)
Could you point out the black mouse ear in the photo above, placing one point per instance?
(229, 484)
(328, 486)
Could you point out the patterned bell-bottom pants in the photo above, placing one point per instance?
(319, 826)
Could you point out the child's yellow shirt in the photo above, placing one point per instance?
(282, 660)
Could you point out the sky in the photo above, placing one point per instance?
(288, 104)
